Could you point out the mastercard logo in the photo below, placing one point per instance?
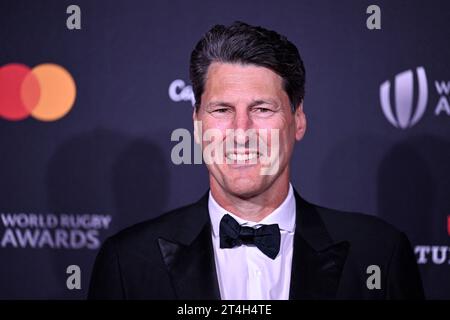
(46, 92)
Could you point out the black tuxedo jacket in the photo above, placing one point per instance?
(171, 257)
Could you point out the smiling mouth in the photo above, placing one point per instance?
(243, 157)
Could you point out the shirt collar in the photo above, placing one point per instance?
(284, 215)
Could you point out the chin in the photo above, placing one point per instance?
(244, 187)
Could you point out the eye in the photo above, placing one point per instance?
(263, 110)
(220, 110)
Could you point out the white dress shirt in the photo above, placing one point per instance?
(245, 272)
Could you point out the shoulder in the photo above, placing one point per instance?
(341, 223)
(173, 225)
(368, 235)
(125, 258)
(373, 241)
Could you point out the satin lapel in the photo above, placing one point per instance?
(191, 266)
(317, 261)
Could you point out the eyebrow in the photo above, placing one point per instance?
(217, 103)
(254, 103)
(262, 101)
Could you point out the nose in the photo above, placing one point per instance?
(242, 119)
(242, 123)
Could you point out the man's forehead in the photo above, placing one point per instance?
(233, 84)
(249, 81)
(237, 71)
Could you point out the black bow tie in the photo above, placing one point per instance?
(266, 238)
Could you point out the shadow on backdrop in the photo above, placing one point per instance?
(413, 194)
(405, 183)
(104, 172)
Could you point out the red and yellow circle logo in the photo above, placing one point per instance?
(46, 92)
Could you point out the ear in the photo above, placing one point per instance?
(300, 122)
(197, 126)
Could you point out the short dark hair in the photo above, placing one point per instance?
(246, 44)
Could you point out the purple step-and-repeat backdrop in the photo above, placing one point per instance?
(91, 92)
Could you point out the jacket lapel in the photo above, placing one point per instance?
(317, 261)
(190, 261)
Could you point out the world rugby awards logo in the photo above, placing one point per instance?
(405, 113)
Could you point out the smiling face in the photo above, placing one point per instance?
(244, 98)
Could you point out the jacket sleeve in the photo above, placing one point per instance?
(404, 281)
(106, 279)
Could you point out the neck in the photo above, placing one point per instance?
(256, 207)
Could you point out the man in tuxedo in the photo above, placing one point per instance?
(252, 236)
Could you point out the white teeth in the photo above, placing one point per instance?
(242, 156)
